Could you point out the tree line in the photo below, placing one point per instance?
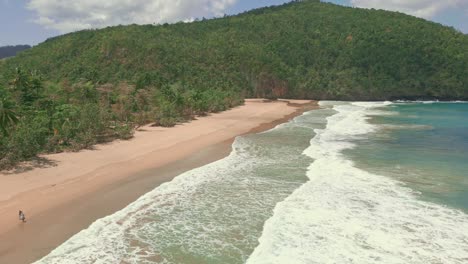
(37, 116)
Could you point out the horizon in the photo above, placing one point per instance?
(39, 20)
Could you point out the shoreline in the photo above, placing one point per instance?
(58, 208)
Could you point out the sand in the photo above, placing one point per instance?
(71, 190)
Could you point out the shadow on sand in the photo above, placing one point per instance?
(38, 162)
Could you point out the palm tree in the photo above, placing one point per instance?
(21, 80)
(8, 116)
(27, 86)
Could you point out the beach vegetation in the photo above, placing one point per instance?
(8, 115)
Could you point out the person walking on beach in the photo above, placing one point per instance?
(21, 216)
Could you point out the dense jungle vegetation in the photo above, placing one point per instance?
(82, 88)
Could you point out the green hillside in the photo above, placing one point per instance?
(96, 85)
(307, 49)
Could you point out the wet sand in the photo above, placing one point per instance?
(102, 181)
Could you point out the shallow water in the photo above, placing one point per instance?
(213, 214)
(347, 214)
(424, 146)
(350, 183)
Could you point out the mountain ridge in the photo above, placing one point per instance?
(351, 45)
(12, 50)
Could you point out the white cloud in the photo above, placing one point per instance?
(420, 8)
(71, 15)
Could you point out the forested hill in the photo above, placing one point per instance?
(304, 49)
(10, 51)
(93, 86)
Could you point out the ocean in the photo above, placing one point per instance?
(349, 183)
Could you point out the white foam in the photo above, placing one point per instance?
(107, 239)
(347, 215)
(431, 102)
(210, 213)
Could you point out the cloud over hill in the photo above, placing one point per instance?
(420, 8)
(67, 16)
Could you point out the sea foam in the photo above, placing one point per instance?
(347, 215)
(213, 214)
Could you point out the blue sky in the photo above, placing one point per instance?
(33, 21)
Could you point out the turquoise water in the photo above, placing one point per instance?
(423, 145)
(362, 204)
(349, 183)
